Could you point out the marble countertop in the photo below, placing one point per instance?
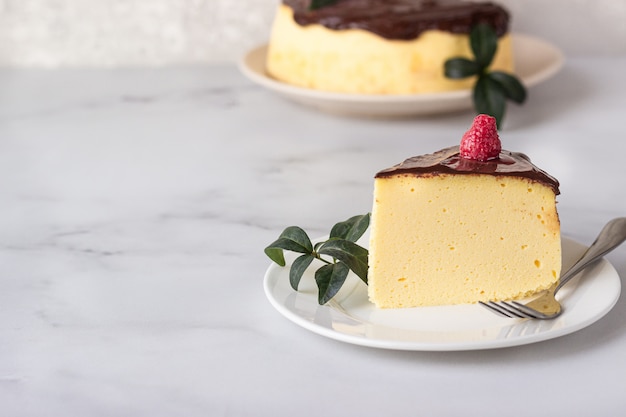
(135, 208)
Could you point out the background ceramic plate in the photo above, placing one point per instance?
(535, 61)
(351, 318)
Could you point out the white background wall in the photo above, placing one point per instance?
(114, 33)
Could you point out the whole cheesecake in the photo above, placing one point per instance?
(450, 230)
(380, 46)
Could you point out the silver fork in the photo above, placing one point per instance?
(546, 306)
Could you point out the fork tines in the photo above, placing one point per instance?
(510, 310)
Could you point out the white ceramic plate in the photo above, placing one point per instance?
(535, 61)
(351, 318)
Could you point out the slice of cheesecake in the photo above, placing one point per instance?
(447, 229)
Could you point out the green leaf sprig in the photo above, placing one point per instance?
(318, 4)
(492, 88)
(345, 255)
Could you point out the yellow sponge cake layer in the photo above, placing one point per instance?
(359, 61)
(451, 239)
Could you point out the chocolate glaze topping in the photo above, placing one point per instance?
(402, 19)
(448, 161)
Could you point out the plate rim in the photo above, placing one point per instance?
(404, 345)
(259, 76)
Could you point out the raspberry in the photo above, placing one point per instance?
(481, 142)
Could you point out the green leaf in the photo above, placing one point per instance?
(460, 68)
(318, 4)
(351, 229)
(293, 239)
(341, 246)
(348, 252)
(298, 267)
(484, 43)
(329, 279)
(512, 87)
(492, 88)
(276, 255)
(489, 98)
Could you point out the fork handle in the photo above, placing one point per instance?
(611, 236)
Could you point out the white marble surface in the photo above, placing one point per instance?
(130, 33)
(135, 205)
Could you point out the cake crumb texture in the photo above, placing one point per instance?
(452, 239)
